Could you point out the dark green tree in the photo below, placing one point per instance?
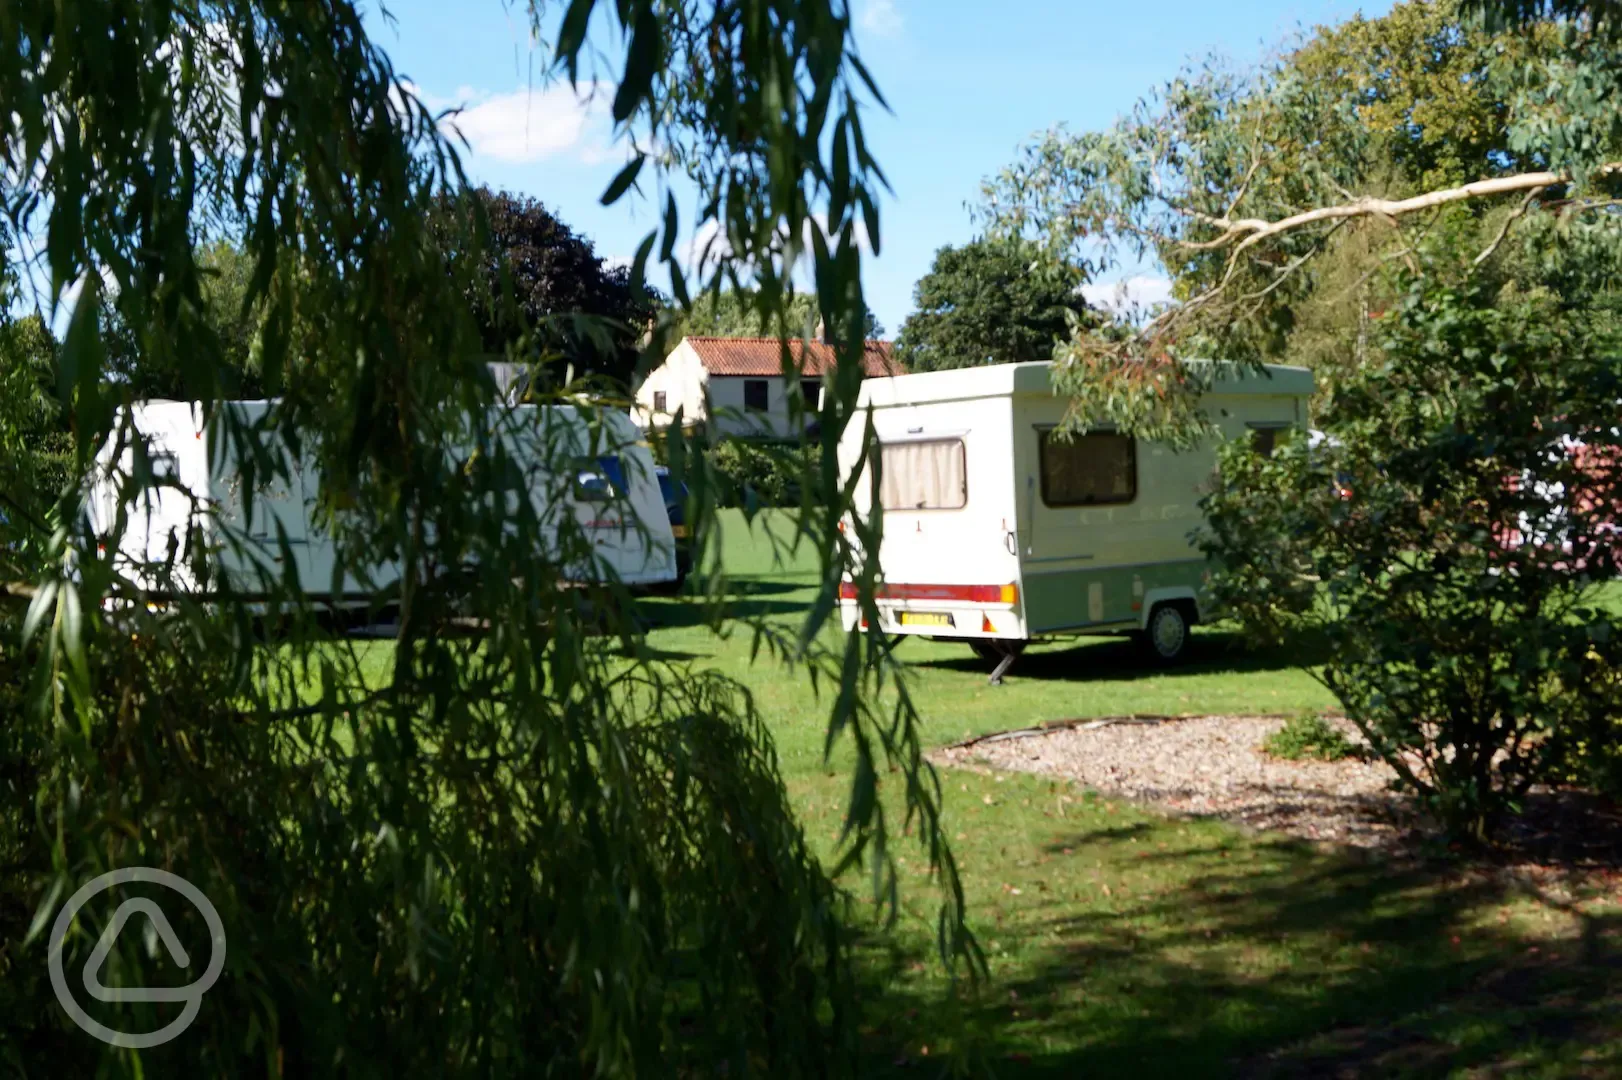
(992, 302)
(542, 286)
(34, 439)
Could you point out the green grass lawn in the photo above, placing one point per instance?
(1124, 943)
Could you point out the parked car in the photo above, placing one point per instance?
(1573, 530)
(1320, 443)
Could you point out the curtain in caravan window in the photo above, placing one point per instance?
(924, 476)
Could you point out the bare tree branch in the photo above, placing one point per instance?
(1244, 186)
(1284, 272)
(1519, 212)
(1249, 231)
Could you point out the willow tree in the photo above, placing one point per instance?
(537, 849)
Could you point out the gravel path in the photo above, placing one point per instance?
(1211, 765)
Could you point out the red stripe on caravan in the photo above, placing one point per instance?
(972, 594)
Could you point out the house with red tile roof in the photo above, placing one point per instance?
(739, 386)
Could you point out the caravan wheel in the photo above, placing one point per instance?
(1167, 635)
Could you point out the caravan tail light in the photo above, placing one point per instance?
(972, 594)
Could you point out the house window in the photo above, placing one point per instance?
(660, 402)
(811, 391)
(1097, 469)
(924, 475)
(1263, 437)
(754, 394)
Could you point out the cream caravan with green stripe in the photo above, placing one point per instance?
(997, 532)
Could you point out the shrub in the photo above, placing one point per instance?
(1465, 658)
(1309, 736)
(758, 473)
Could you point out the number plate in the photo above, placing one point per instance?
(925, 618)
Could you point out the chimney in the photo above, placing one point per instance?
(822, 330)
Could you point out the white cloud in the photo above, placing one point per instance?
(1136, 295)
(708, 245)
(706, 248)
(879, 18)
(61, 314)
(530, 124)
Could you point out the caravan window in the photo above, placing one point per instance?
(1096, 469)
(600, 481)
(1264, 437)
(924, 475)
(165, 466)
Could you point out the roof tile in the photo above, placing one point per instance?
(763, 356)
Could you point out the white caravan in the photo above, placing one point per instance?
(997, 532)
(609, 487)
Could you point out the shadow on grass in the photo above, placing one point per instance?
(1267, 960)
(671, 656)
(771, 586)
(1218, 649)
(745, 597)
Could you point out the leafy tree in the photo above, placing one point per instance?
(541, 850)
(541, 284)
(33, 438)
(1460, 586)
(225, 279)
(991, 302)
(1254, 188)
(738, 313)
(1472, 149)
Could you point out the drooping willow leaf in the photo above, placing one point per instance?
(527, 848)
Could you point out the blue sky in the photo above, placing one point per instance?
(968, 83)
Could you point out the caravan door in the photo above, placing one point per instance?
(1078, 501)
